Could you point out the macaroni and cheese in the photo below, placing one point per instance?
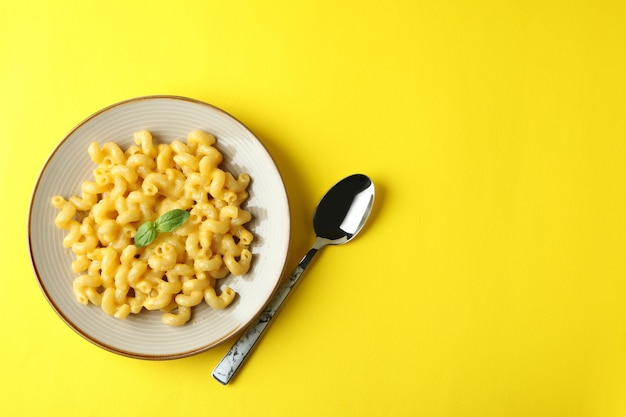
(177, 270)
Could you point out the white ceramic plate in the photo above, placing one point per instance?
(167, 118)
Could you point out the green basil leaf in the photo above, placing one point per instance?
(171, 220)
(146, 233)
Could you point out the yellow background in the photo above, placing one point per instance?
(491, 278)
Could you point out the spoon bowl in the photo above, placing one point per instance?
(343, 210)
(339, 217)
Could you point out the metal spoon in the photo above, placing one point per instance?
(339, 216)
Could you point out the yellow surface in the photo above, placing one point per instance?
(491, 280)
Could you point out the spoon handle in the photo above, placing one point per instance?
(234, 358)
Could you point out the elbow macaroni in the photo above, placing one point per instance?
(178, 270)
